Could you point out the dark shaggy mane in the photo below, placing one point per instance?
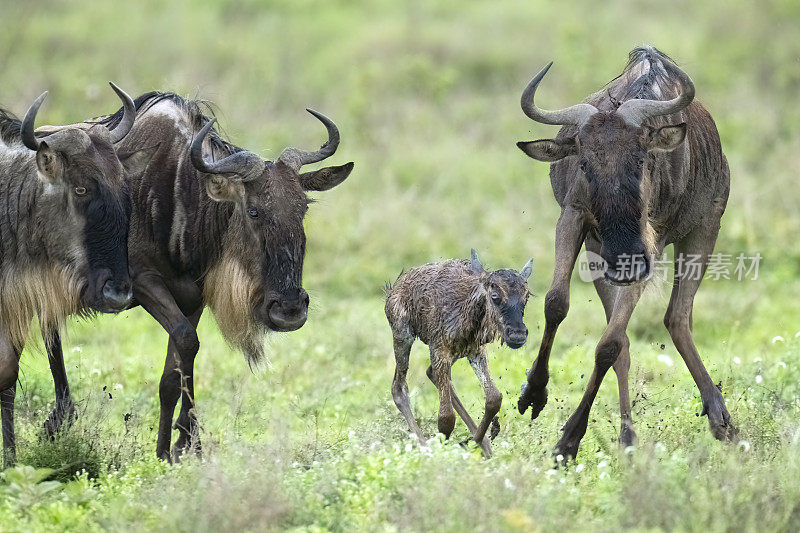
(195, 110)
(661, 75)
(10, 127)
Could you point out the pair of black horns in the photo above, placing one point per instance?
(117, 133)
(242, 163)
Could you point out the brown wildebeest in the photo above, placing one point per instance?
(637, 167)
(64, 210)
(214, 225)
(456, 308)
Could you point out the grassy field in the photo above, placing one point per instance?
(426, 95)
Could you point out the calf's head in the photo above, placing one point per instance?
(82, 173)
(610, 151)
(506, 296)
(270, 203)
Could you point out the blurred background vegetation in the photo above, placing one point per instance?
(426, 95)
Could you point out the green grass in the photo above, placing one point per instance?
(426, 96)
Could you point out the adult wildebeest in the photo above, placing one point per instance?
(637, 167)
(63, 232)
(456, 308)
(214, 225)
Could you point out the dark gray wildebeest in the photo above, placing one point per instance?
(635, 168)
(456, 308)
(64, 210)
(214, 225)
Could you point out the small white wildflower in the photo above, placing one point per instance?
(509, 485)
(409, 447)
(77, 349)
(757, 360)
(603, 474)
(778, 338)
(667, 360)
(737, 360)
(781, 364)
(579, 467)
(759, 379)
(118, 386)
(797, 334)
(96, 372)
(629, 449)
(559, 458)
(744, 445)
(602, 464)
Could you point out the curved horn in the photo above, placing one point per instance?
(296, 158)
(636, 111)
(128, 115)
(574, 115)
(244, 163)
(26, 130)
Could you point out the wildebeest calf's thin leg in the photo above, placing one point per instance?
(493, 399)
(442, 363)
(607, 294)
(9, 369)
(699, 244)
(612, 343)
(569, 237)
(402, 351)
(459, 407)
(154, 296)
(64, 410)
(186, 424)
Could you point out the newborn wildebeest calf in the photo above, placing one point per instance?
(456, 308)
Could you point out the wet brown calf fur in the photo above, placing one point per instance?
(456, 308)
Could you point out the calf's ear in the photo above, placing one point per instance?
(50, 164)
(221, 189)
(135, 163)
(667, 137)
(549, 150)
(325, 178)
(527, 269)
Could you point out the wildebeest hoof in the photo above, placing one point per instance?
(536, 399)
(566, 449)
(57, 418)
(627, 436)
(718, 419)
(494, 429)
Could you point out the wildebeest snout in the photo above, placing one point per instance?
(515, 337)
(287, 311)
(117, 293)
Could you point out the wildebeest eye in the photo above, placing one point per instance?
(583, 166)
(80, 191)
(253, 212)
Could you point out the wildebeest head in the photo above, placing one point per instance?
(611, 151)
(507, 294)
(270, 204)
(80, 167)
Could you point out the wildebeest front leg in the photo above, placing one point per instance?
(9, 369)
(608, 294)
(569, 237)
(459, 407)
(493, 400)
(186, 424)
(698, 245)
(154, 296)
(611, 345)
(64, 410)
(442, 363)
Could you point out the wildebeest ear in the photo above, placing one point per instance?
(549, 150)
(667, 137)
(135, 163)
(325, 178)
(222, 189)
(49, 163)
(474, 262)
(527, 269)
